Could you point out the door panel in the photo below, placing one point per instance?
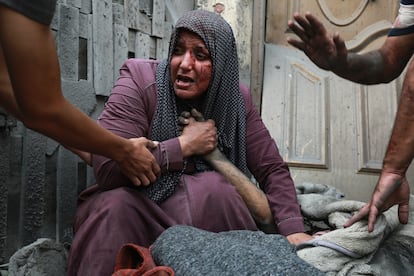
(328, 129)
(360, 22)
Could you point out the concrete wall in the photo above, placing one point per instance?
(39, 179)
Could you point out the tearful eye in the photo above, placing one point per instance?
(177, 51)
(202, 56)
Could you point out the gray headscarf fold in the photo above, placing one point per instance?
(223, 101)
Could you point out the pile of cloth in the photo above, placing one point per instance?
(335, 250)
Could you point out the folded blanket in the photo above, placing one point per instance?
(191, 251)
(322, 203)
(328, 244)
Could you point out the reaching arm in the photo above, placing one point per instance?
(36, 98)
(392, 187)
(330, 53)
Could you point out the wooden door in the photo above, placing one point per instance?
(328, 129)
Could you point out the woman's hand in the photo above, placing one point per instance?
(198, 137)
(298, 238)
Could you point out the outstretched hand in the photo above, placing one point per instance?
(326, 51)
(140, 165)
(392, 189)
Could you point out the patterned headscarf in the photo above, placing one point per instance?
(223, 102)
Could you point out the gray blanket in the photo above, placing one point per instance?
(388, 250)
(191, 251)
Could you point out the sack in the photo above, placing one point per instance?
(135, 260)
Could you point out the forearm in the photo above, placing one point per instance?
(47, 121)
(253, 197)
(71, 127)
(8, 102)
(363, 68)
(34, 89)
(378, 66)
(400, 150)
(7, 99)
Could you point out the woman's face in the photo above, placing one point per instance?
(191, 66)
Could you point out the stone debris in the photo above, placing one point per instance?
(43, 257)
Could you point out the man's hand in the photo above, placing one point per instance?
(140, 165)
(392, 189)
(326, 51)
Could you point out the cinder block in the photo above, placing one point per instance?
(142, 45)
(66, 193)
(4, 173)
(33, 173)
(158, 18)
(137, 18)
(103, 49)
(81, 94)
(120, 47)
(86, 7)
(118, 14)
(68, 47)
(85, 26)
(74, 3)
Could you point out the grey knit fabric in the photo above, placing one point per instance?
(191, 251)
(223, 102)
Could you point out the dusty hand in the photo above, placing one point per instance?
(184, 117)
(326, 51)
(392, 189)
(140, 166)
(183, 120)
(298, 238)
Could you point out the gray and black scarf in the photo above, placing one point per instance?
(223, 102)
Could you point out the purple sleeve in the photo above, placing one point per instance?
(271, 172)
(128, 113)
